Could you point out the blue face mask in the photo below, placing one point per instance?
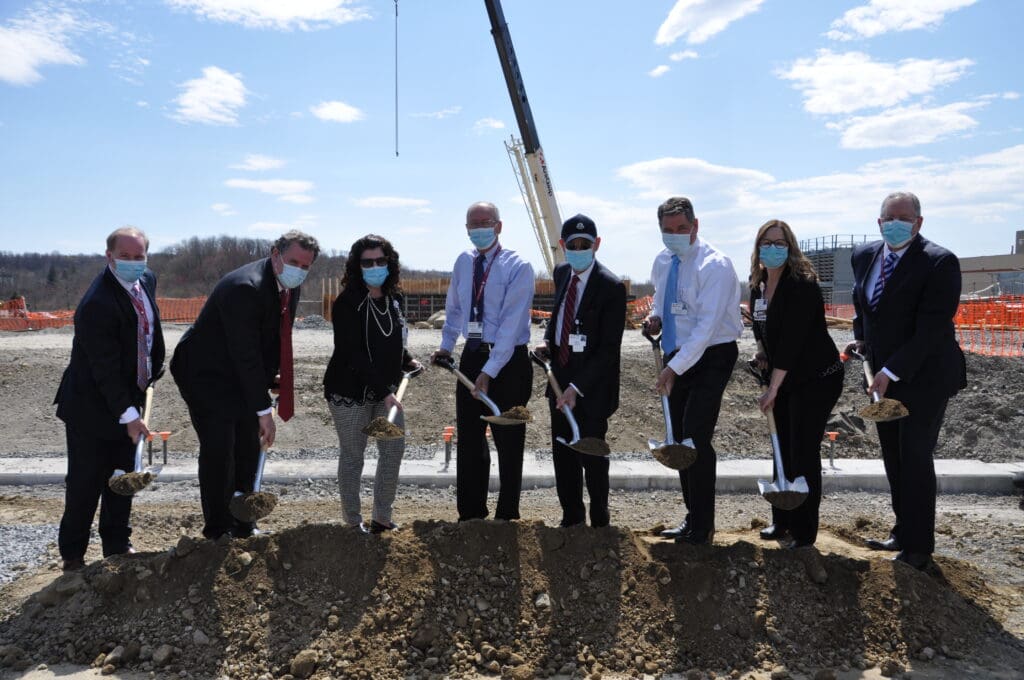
(292, 276)
(129, 271)
(677, 243)
(897, 233)
(579, 260)
(773, 256)
(482, 237)
(375, 276)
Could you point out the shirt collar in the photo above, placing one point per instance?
(585, 274)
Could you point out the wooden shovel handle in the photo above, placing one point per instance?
(771, 422)
(148, 407)
(400, 392)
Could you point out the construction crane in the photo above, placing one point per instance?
(525, 153)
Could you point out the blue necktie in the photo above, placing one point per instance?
(887, 267)
(668, 321)
(476, 309)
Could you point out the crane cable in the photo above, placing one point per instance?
(396, 78)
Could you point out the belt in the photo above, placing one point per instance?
(485, 348)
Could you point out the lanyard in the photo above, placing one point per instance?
(479, 292)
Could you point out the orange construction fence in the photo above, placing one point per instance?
(14, 314)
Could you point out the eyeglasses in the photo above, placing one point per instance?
(777, 244)
(368, 262)
(481, 225)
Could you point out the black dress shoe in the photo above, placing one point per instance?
(74, 564)
(797, 544)
(774, 533)
(890, 544)
(675, 532)
(379, 528)
(693, 538)
(919, 561)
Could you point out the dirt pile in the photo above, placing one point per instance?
(521, 599)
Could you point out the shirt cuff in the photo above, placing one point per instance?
(892, 376)
(265, 412)
(572, 385)
(131, 413)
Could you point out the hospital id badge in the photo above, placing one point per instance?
(679, 309)
(760, 309)
(475, 330)
(577, 342)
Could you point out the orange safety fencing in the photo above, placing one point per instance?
(14, 314)
(180, 310)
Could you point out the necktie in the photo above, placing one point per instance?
(568, 314)
(887, 267)
(142, 344)
(668, 320)
(286, 394)
(476, 309)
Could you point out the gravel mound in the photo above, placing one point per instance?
(24, 548)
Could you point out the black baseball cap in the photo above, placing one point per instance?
(579, 226)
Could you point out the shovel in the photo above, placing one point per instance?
(782, 493)
(251, 507)
(385, 428)
(128, 483)
(517, 415)
(670, 453)
(881, 409)
(592, 446)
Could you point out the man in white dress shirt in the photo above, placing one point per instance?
(488, 304)
(697, 311)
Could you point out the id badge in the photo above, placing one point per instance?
(679, 309)
(475, 330)
(577, 342)
(760, 309)
(405, 334)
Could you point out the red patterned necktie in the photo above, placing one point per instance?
(286, 395)
(142, 350)
(568, 314)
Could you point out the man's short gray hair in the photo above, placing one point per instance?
(129, 231)
(677, 205)
(486, 205)
(900, 196)
(305, 241)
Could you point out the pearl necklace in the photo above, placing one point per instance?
(377, 315)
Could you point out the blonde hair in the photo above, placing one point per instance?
(799, 266)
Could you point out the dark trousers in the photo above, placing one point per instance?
(91, 462)
(801, 416)
(571, 467)
(694, 403)
(229, 450)
(511, 387)
(907, 448)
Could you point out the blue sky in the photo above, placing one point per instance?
(247, 117)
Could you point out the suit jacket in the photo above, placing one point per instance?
(911, 331)
(227, 361)
(101, 381)
(601, 313)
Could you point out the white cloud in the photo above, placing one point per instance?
(699, 20)
(685, 54)
(223, 209)
(305, 15)
(485, 124)
(659, 71)
(1011, 95)
(338, 112)
(142, 104)
(439, 115)
(882, 16)
(288, 190)
(390, 202)
(36, 39)
(843, 83)
(213, 99)
(906, 126)
(300, 199)
(663, 177)
(257, 162)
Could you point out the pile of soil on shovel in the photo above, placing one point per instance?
(437, 599)
(382, 427)
(884, 410)
(518, 413)
(252, 507)
(130, 482)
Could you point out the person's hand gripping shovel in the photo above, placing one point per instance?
(592, 446)
(881, 409)
(517, 415)
(670, 453)
(781, 493)
(385, 428)
(129, 483)
(255, 505)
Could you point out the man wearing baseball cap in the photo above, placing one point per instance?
(583, 339)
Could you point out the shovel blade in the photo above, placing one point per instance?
(884, 410)
(675, 456)
(502, 420)
(251, 507)
(129, 483)
(591, 446)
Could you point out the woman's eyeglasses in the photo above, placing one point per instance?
(368, 262)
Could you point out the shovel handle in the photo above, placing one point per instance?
(449, 363)
(400, 392)
(782, 481)
(546, 365)
(145, 421)
(257, 482)
(869, 375)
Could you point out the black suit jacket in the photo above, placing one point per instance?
(911, 331)
(101, 381)
(226, 362)
(601, 313)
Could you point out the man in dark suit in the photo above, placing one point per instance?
(117, 352)
(905, 294)
(584, 338)
(226, 364)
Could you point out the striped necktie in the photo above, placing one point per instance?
(568, 314)
(887, 267)
(142, 338)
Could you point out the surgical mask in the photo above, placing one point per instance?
(579, 260)
(292, 276)
(897, 233)
(129, 271)
(482, 237)
(773, 256)
(677, 243)
(375, 276)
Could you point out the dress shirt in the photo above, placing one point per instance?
(132, 413)
(876, 271)
(507, 296)
(711, 292)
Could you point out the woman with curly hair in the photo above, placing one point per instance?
(367, 364)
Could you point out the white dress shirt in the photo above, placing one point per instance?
(132, 413)
(507, 296)
(710, 291)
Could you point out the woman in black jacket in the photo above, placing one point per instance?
(369, 357)
(806, 374)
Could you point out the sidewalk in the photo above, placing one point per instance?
(954, 476)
